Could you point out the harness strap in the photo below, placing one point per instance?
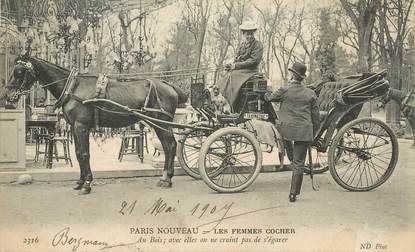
(147, 100)
(100, 93)
(69, 86)
(76, 98)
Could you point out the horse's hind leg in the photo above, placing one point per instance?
(412, 123)
(169, 146)
(81, 133)
(81, 180)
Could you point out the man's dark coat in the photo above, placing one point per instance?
(299, 117)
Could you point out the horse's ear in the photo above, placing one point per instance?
(28, 48)
(26, 56)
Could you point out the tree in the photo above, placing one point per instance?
(195, 17)
(308, 39)
(363, 16)
(409, 60)
(394, 23)
(345, 62)
(325, 54)
(221, 35)
(286, 39)
(271, 17)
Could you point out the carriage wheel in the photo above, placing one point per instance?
(188, 153)
(230, 160)
(319, 162)
(188, 150)
(320, 159)
(363, 154)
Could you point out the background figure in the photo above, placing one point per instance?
(299, 121)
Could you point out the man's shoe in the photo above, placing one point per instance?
(292, 198)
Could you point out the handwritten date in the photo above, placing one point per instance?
(198, 210)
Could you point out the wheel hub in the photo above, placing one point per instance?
(364, 155)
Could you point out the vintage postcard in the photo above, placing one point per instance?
(207, 125)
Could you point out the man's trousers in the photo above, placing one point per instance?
(299, 155)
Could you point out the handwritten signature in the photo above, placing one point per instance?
(64, 238)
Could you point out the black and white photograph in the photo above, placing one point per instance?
(207, 125)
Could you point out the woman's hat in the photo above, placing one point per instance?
(299, 69)
(248, 26)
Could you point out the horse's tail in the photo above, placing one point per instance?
(181, 94)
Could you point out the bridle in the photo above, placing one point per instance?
(29, 71)
(21, 90)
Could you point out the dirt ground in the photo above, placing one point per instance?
(135, 215)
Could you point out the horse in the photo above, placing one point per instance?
(408, 110)
(161, 99)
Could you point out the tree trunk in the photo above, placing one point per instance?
(201, 39)
(364, 51)
(394, 77)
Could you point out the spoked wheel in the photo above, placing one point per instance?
(230, 160)
(188, 150)
(363, 154)
(319, 162)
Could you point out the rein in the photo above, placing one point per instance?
(52, 83)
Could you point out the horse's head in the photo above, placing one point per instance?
(22, 79)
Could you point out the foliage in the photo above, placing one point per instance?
(325, 54)
(362, 14)
(68, 22)
(346, 63)
(179, 53)
(409, 60)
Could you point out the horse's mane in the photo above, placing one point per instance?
(50, 64)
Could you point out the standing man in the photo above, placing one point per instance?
(299, 121)
(248, 57)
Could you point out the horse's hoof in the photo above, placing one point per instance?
(84, 190)
(79, 185)
(164, 184)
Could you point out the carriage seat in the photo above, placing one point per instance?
(257, 83)
(326, 91)
(326, 94)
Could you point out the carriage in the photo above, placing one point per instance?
(361, 153)
(225, 150)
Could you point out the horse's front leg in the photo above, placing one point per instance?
(81, 133)
(169, 146)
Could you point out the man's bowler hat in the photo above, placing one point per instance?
(299, 69)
